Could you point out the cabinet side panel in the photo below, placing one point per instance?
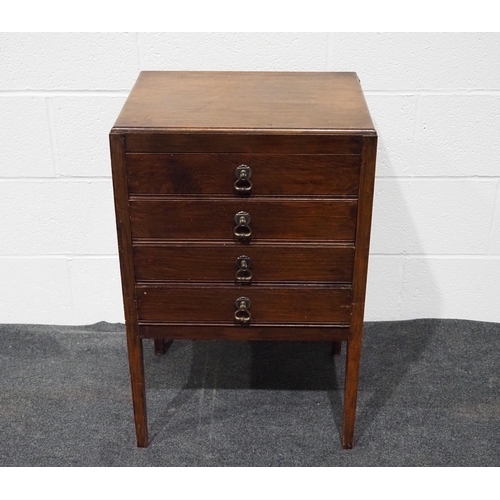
(363, 228)
(117, 146)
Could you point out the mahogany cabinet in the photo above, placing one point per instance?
(243, 207)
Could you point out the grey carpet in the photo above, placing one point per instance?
(429, 395)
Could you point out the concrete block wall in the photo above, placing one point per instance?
(434, 98)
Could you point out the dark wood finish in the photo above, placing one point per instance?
(214, 263)
(249, 142)
(207, 304)
(364, 218)
(134, 342)
(336, 348)
(311, 144)
(338, 332)
(246, 101)
(209, 219)
(136, 363)
(213, 174)
(161, 346)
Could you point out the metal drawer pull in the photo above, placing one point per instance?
(243, 274)
(242, 229)
(242, 314)
(243, 185)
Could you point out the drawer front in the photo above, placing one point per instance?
(201, 219)
(216, 142)
(279, 305)
(339, 332)
(212, 174)
(289, 263)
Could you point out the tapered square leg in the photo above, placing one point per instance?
(351, 390)
(136, 363)
(336, 348)
(162, 346)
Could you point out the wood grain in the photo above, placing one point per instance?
(364, 218)
(339, 332)
(230, 100)
(311, 144)
(241, 142)
(210, 174)
(205, 303)
(208, 219)
(199, 262)
(134, 342)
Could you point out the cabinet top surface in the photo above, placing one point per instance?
(245, 101)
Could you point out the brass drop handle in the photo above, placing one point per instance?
(243, 185)
(243, 274)
(242, 230)
(242, 314)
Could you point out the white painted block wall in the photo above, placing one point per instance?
(434, 98)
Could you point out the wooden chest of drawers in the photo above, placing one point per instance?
(243, 206)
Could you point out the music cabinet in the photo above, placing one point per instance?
(243, 207)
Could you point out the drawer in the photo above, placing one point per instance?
(338, 332)
(213, 174)
(199, 263)
(202, 219)
(216, 142)
(278, 305)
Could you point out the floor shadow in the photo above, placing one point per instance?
(191, 366)
(245, 365)
(390, 350)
